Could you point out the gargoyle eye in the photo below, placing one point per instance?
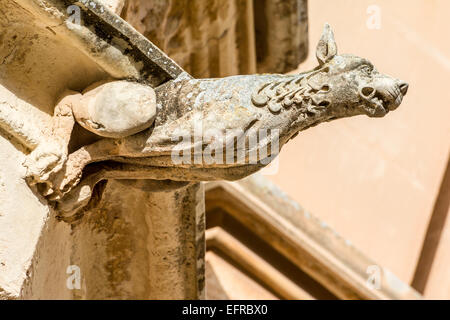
(366, 69)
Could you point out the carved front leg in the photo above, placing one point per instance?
(71, 174)
(113, 110)
(50, 155)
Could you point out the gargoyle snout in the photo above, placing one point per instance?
(403, 87)
(383, 95)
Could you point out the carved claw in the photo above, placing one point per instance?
(77, 199)
(64, 182)
(43, 163)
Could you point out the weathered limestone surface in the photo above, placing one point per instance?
(22, 216)
(123, 242)
(138, 241)
(116, 109)
(115, 6)
(41, 55)
(221, 38)
(281, 31)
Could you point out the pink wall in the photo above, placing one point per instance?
(376, 181)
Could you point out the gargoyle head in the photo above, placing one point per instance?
(351, 85)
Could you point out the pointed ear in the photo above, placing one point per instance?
(327, 48)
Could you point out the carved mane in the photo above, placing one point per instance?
(296, 91)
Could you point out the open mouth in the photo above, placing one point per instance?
(382, 100)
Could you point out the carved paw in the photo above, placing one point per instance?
(66, 179)
(79, 196)
(44, 162)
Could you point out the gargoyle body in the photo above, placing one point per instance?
(186, 125)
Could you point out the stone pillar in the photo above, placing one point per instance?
(136, 242)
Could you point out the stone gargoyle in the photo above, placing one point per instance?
(142, 127)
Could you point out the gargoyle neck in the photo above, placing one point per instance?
(305, 120)
(295, 91)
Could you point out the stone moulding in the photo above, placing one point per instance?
(305, 240)
(107, 39)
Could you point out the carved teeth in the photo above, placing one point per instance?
(377, 101)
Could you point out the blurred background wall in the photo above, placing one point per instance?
(384, 184)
